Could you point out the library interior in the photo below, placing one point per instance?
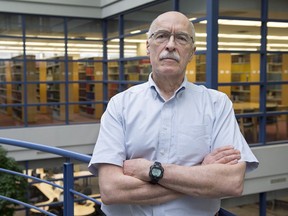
(60, 70)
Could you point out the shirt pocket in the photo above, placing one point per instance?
(193, 143)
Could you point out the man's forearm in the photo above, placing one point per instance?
(117, 188)
(213, 180)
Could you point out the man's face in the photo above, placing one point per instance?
(167, 46)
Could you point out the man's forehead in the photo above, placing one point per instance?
(171, 25)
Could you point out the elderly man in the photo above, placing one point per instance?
(169, 147)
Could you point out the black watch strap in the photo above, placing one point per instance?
(156, 172)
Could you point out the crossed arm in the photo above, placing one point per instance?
(219, 175)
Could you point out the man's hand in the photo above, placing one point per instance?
(137, 168)
(222, 155)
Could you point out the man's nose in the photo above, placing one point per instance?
(171, 43)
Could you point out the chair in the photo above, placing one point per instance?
(248, 124)
(272, 119)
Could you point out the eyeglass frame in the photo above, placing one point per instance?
(170, 33)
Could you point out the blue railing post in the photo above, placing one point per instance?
(68, 182)
(262, 204)
(27, 210)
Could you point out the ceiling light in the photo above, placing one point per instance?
(192, 18)
(238, 44)
(275, 37)
(239, 36)
(248, 23)
(93, 38)
(277, 45)
(135, 32)
(239, 22)
(237, 48)
(135, 40)
(277, 24)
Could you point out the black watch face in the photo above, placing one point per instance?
(156, 172)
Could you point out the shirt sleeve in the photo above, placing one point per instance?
(110, 146)
(226, 132)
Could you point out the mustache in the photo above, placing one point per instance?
(170, 55)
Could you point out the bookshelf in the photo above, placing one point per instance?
(41, 87)
(200, 68)
(91, 70)
(55, 71)
(284, 98)
(276, 71)
(191, 70)
(135, 70)
(5, 89)
(245, 68)
(17, 73)
(224, 72)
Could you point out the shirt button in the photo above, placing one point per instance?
(162, 151)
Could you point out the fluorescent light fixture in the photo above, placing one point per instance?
(239, 36)
(248, 23)
(36, 43)
(239, 22)
(244, 36)
(135, 32)
(231, 44)
(135, 40)
(238, 44)
(10, 43)
(275, 37)
(277, 45)
(201, 43)
(201, 48)
(93, 38)
(277, 24)
(192, 18)
(280, 50)
(125, 46)
(41, 48)
(130, 40)
(237, 48)
(84, 45)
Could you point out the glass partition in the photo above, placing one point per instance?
(10, 25)
(277, 9)
(244, 8)
(200, 67)
(44, 27)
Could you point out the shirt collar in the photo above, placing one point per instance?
(156, 91)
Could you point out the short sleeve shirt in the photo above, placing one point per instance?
(139, 123)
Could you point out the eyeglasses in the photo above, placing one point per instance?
(164, 36)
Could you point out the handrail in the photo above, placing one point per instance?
(26, 205)
(68, 174)
(45, 148)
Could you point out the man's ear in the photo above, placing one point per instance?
(192, 53)
(147, 48)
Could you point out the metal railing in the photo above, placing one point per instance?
(68, 176)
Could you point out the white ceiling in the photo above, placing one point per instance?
(90, 3)
(75, 8)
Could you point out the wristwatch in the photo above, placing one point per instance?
(156, 172)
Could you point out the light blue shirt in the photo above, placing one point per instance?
(139, 123)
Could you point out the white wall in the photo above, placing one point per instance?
(272, 173)
(78, 138)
